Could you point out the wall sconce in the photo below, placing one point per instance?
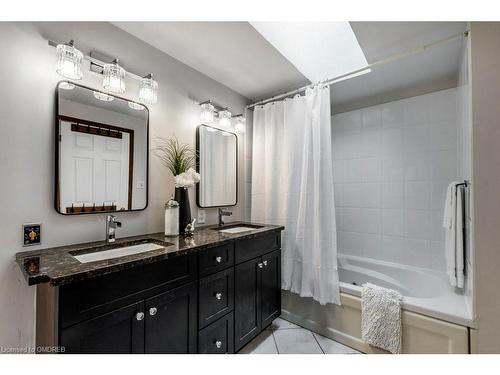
(69, 65)
(224, 118)
(240, 126)
(114, 77)
(148, 93)
(207, 112)
(69, 61)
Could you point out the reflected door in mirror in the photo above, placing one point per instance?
(102, 152)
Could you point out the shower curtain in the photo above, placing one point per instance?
(292, 185)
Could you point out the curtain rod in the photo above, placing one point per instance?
(389, 59)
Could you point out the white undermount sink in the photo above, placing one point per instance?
(117, 252)
(234, 230)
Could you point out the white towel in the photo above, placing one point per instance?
(381, 317)
(454, 240)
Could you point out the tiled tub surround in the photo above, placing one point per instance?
(392, 165)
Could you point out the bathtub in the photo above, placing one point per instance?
(435, 317)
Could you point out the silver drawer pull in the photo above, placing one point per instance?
(218, 344)
(153, 311)
(218, 259)
(139, 316)
(260, 265)
(218, 295)
(265, 263)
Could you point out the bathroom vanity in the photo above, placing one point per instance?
(207, 293)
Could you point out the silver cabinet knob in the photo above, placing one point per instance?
(265, 263)
(218, 295)
(139, 315)
(218, 259)
(153, 311)
(218, 344)
(260, 265)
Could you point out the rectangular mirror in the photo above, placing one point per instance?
(217, 164)
(101, 152)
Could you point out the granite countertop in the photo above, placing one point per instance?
(57, 265)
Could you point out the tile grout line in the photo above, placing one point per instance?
(275, 343)
(317, 342)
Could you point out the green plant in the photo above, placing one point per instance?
(176, 156)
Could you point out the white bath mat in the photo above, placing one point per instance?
(381, 317)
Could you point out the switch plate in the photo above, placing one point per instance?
(32, 234)
(201, 216)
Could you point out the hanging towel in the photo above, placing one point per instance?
(381, 317)
(454, 240)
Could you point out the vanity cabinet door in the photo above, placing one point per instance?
(218, 337)
(271, 287)
(120, 331)
(171, 321)
(247, 294)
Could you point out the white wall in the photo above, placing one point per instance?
(393, 163)
(27, 122)
(485, 93)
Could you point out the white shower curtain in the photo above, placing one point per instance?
(292, 185)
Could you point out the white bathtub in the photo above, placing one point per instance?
(425, 292)
(435, 318)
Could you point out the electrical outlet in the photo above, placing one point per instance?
(201, 216)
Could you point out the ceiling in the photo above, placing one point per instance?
(236, 55)
(232, 53)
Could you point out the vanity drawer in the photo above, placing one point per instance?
(218, 337)
(252, 247)
(216, 259)
(92, 297)
(216, 296)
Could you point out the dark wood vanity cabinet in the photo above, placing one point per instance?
(212, 301)
(257, 296)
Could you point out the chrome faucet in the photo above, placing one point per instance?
(222, 213)
(111, 225)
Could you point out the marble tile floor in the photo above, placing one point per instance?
(284, 337)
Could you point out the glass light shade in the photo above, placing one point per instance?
(224, 119)
(69, 61)
(148, 92)
(207, 113)
(114, 78)
(136, 106)
(240, 126)
(102, 96)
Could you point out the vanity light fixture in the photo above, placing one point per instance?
(102, 96)
(224, 119)
(148, 93)
(207, 112)
(240, 126)
(136, 106)
(69, 61)
(69, 65)
(114, 77)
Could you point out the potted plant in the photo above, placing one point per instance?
(180, 159)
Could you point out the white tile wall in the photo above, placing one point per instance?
(392, 165)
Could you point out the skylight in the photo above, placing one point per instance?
(319, 50)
